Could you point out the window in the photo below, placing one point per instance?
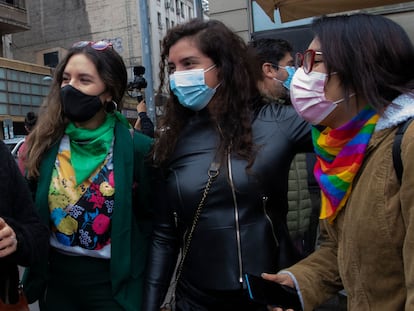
(167, 23)
(182, 9)
(51, 59)
(159, 20)
(21, 91)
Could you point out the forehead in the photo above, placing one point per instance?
(315, 45)
(82, 64)
(184, 48)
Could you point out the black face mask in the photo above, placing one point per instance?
(77, 106)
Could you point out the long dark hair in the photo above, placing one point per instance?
(372, 55)
(232, 103)
(51, 122)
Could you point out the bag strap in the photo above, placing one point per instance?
(213, 172)
(396, 148)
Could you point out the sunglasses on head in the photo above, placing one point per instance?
(99, 45)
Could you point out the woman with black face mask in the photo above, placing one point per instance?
(84, 159)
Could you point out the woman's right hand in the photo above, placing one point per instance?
(282, 278)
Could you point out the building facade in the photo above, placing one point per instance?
(56, 25)
(22, 85)
(249, 20)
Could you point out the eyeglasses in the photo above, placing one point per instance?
(277, 66)
(307, 60)
(99, 45)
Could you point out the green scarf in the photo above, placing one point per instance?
(89, 148)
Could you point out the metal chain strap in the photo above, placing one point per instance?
(212, 174)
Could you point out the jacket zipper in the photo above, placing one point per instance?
(236, 216)
(175, 219)
(264, 200)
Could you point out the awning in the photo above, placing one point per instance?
(296, 9)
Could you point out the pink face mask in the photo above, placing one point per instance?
(307, 93)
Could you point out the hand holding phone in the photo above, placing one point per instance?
(272, 293)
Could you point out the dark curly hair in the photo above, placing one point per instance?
(233, 101)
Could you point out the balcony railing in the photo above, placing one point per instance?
(21, 4)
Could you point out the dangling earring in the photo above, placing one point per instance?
(115, 105)
(111, 106)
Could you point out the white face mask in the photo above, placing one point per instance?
(307, 93)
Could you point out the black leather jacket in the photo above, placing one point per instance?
(234, 234)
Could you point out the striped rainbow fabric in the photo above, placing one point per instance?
(340, 153)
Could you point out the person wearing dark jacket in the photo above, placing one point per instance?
(23, 238)
(274, 57)
(143, 123)
(217, 128)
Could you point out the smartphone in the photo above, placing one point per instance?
(271, 293)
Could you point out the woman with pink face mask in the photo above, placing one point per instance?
(355, 84)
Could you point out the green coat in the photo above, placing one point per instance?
(130, 237)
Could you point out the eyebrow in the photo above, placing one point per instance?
(186, 59)
(86, 75)
(81, 75)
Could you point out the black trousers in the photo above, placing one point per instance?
(79, 283)
(191, 298)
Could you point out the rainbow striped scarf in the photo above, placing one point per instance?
(340, 153)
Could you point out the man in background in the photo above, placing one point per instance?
(29, 123)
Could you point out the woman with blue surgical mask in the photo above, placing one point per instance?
(191, 89)
(222, 157)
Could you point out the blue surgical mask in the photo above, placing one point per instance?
(291, 71)
(190, 88)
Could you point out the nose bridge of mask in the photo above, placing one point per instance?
(188, 77)
(312, 81)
